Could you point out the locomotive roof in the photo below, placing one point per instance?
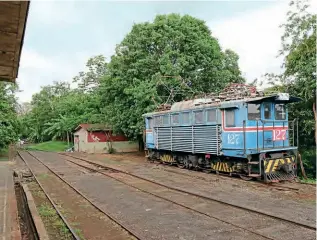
(206, 103)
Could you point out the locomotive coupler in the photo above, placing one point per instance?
(287, 167)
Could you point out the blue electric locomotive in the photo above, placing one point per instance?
(251, 137)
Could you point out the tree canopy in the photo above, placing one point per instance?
(9, 124)
(169, 59)
(299, 76)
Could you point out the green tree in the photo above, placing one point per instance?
(299, 76)
(167, 60)
(299, 49)
(57, 109)
(90, 80)
(9, 124)
(43, 107)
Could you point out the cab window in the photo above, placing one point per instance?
(175, 118)
(211, 115)
(267, 110)
(165, 119)
(230, 118)
(158, 120)
(254, 112)
(199, 117)
(186, 118)
(150, 123)
(280, 112)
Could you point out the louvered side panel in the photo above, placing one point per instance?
(182, 139)
(206, 139)
(191, 139)
(164, 138)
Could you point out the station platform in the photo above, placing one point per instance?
(9, 226)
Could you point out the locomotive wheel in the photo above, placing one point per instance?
(186, 163)
(180, 165)
(245, 178)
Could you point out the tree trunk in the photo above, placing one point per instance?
(68, 138)
(315, 117)
(302, 166)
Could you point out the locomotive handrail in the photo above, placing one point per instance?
(291, 133)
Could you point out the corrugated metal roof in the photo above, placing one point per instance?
(93, 127)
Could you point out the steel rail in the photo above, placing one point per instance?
(196, 194)
(169, 200)
(75, 236)
(85, 197)
(227, 177)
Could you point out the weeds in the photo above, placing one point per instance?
(308, 180)
(79, 233)
(50, 216)
(42, 176)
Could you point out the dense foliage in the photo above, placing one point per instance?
(167, 60)
(299, 76)
(9, 124)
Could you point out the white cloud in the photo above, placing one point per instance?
(256, 37)
(38, 70)
(54, 12)
(31, 59)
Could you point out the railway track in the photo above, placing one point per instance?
(226, 177)
(76, 237)
(72, 231)
(111, 172)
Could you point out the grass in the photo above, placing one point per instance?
(49, 213)
(79, 233)
(308, 180)
(51, 146)
(4, 155)
(42, 176)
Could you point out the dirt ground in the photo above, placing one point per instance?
(150, 211)
(146, 215)
(305, 192)
(299, 205)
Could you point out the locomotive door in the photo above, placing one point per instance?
(260, 119)
(149, 134)
(267, 119)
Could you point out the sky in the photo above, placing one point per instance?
(62, 35)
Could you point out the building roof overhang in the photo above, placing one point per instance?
(13, 18)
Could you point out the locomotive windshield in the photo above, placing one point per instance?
(254, 112)
(267, 110)
(280, 112)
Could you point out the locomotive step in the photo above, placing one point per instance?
(254, 175)
(253, 163)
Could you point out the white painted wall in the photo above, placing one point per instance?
(101, 147)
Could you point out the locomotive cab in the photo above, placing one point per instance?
(272, 138)
(271, 119)
(258, 130)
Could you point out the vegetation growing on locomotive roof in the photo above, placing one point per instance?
(135, 79)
